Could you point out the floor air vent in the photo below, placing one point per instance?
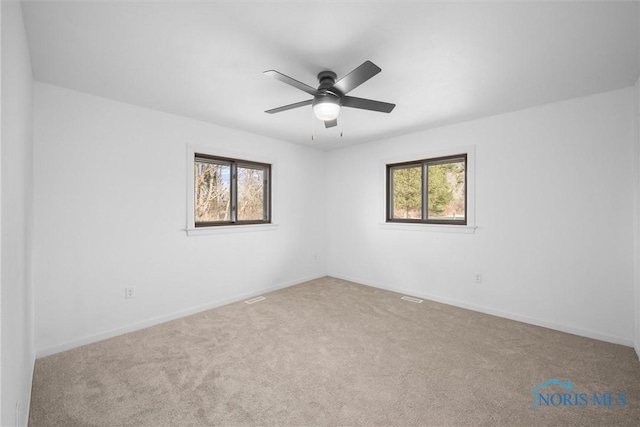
(412, 299)
(256, 299)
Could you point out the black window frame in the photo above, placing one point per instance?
(234, 164)
(424, 164)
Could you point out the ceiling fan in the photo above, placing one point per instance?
(330, 95)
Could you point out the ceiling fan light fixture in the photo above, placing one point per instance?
(326, 107)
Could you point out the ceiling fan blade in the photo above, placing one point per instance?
(367, 104)
(292, 82)
(331, 123)
(289, 107)
(358, 76)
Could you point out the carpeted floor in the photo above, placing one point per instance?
(331, 352)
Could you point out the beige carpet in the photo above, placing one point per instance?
(331, 352)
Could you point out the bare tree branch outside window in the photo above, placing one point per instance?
(229, 191)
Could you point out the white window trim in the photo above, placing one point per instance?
(191, 228)
(470, 228)
(229, 229)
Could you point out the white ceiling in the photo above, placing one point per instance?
(441, 62)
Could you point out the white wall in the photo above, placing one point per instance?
(554, 241)
(16, 200)
(110, 212)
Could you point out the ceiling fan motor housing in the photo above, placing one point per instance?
(326, 79)
(330, 98)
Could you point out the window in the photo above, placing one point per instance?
(231, 191)
(431, 191)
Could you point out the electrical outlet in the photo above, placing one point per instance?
(477, 278)
(129, 293)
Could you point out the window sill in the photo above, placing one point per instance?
(438, 228)
(228, 229)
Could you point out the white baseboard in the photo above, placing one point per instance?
(24, 399)
(218, 303)
(507, 315)
(168, 317)
(27, 408)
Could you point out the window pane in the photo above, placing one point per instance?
(446, 196)
(251, 193)
(212, 191)
(407, 192)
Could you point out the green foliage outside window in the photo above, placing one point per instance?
(407, 192)
(443, 191)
